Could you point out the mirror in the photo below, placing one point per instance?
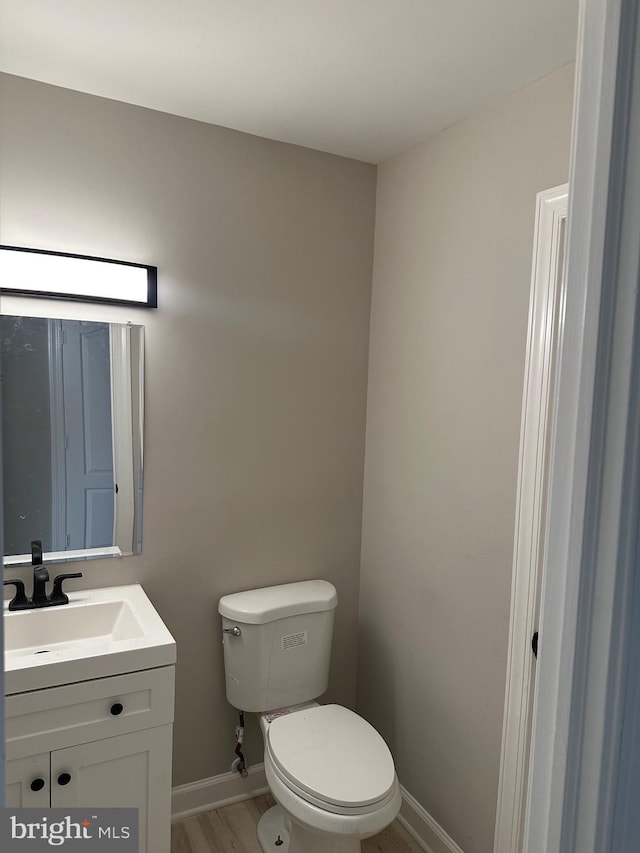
(72, 438)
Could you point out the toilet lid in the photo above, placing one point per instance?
(332, 754)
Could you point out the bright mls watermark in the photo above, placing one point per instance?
(26, 830)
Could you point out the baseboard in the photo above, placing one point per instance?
(424, 829)
(217, 791)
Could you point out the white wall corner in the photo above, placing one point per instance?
(423, 828)
(216, 791)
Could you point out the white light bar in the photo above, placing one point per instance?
(57, 275)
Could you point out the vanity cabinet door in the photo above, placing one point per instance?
(132, 770)
(28, 782)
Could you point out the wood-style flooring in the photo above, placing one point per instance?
(232, 829)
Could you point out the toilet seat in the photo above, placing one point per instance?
(332, 758)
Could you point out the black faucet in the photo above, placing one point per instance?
(40, 578)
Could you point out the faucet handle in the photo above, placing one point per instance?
(57, 595)
(20, 600)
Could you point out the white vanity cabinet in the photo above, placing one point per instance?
(101, 743)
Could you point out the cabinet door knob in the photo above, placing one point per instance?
(64, 778)
(117, 708)
(37, 785)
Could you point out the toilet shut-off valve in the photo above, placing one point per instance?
(238, 765)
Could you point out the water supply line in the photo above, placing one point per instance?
(238, 765)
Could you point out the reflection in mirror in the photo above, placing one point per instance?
(72, 418)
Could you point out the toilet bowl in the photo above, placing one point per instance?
(333, 778)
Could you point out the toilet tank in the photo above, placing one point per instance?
(280, 657)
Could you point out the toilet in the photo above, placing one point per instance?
(330, 772)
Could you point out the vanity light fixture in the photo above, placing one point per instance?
(59, 275)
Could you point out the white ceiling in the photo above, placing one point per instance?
(361, 78)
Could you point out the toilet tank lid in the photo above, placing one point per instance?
(257, 606)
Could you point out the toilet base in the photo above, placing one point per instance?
(274, 837)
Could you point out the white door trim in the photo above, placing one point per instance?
(58, 439)
(543, 342)
(583, 644)
(121, 430)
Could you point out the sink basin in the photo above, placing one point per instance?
(101, 632)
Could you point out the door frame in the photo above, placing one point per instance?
(124, 530)
(58, 438)
(544, 339)
(595, 473)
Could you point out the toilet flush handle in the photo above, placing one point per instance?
(235, 631)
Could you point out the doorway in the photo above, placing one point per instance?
(546, 311)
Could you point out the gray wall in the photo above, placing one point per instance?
(454, 233)
(256, 359)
